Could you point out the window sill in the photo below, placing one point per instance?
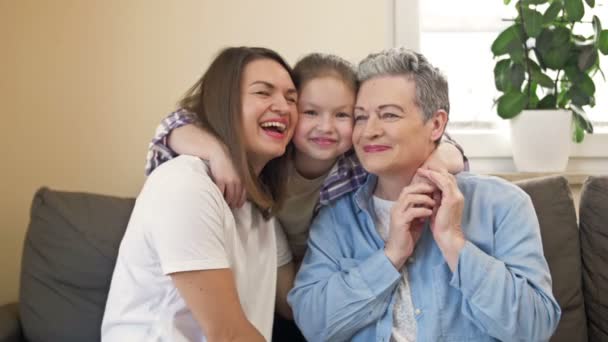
(489, 151)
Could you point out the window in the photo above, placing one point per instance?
(457, 39)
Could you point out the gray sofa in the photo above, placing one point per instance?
(72, 242)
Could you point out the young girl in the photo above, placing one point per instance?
(322, 165)
(189, 267)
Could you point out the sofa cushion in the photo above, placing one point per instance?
(68, 258)
(594, 242)
(554, 207)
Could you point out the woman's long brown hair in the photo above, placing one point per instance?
(216, 100)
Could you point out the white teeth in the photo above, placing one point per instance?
(279, 125)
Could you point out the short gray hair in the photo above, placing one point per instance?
(431, 84)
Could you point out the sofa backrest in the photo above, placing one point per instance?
(554, 207)
(68, 258)
(593, 212)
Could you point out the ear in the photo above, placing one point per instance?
(438, 121)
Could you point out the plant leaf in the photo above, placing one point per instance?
(603, 42)
(516, 76)
(597, 30)
(575, 10)
(548, 102)
(532, 22)
(530, 91)
(586, 85)
(587, 57)
(591, 3)
(581, 81)
(505, 40)
(552, 12)
(517, 53)
(500, 74)
(506, 2)
(511, 104)
(542, 79)
(533, 2)
(578, 96)
(553, 47)
(578, 133)
(581, 116)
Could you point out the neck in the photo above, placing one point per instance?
(389, 186)
(311, 168)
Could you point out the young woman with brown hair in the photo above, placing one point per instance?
(190, 268)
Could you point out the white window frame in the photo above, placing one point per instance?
(494, 154)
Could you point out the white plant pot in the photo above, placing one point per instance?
(541, 140)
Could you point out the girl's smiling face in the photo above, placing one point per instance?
(325, 123)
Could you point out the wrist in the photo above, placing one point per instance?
(216, 149)
(451, 244)
(396, 258)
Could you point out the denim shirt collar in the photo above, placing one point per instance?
(364, 196)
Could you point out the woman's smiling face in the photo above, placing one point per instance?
(269, 113)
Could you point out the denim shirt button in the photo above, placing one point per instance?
(417, 312)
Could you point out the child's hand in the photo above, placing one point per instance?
(227, 178)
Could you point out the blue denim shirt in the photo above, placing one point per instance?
(501, 289)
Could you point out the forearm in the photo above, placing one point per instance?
(239, 332)
(285, 279)
(503, 302)
(335, 305)
(451, 157)
(195, 141)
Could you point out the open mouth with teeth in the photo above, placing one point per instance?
(274, 128)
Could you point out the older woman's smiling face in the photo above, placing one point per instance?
(390, 135)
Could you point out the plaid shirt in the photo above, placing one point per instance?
(347, 176)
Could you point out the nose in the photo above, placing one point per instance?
(373, 127)
(326, 123)
(280, 105)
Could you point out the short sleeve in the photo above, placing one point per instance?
(284, 255)
(159, 150)
(185, 217)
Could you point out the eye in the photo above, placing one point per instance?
(343, 115)
(360, 118)
(309, 112)
(263, 93)
(389, 116)
(291, 100)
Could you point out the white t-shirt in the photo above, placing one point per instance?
(182, 223)
(404, 322)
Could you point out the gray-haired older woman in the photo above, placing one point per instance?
(449, 258)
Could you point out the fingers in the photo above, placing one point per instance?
(243, 197)
(222, 188)
(418, 188)
(416, 213)
(234, 194)
(414, 200)
(443, 180)
(227, 192)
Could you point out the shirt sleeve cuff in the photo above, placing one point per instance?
(378, 272)
(471, 270)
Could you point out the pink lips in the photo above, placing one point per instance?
(323, 141)
(273, 134)
(375, 148)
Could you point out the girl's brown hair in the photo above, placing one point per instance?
(316, 65)
(216, 100)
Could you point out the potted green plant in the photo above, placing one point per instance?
(544, 69)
